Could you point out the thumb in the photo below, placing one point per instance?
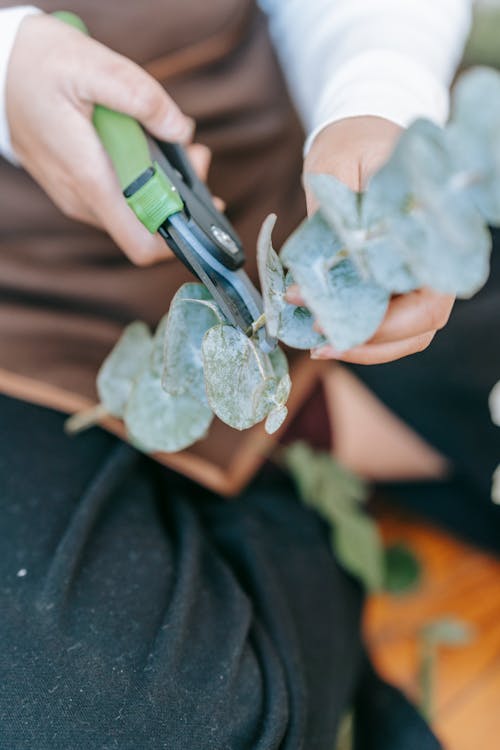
(122, 85)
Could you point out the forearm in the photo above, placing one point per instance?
(386, 58)
(10, 20)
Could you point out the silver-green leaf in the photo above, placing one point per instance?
(356, 219)
(348, 308)
(357, 543)
(235, 372)
(279, 363)
(275, 419)
(187, 323)
(424, 213)
(474, 138)
(447, 631)
(271, 275)
(296, 324)
(123, 366)
(338, 204)
(157, 421)
(158, 353)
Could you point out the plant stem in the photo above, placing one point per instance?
(85, 419)
(427, 678)
(259, 323)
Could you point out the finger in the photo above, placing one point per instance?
(118, 219)
(409, 315)
(126, 87)
(97, 186)
(200, 157)
(372, 354)
(66, 200)
(293, 295)
(219, 204)
(414, 313)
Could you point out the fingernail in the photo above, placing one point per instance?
(325, 352)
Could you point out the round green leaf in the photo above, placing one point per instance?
(357, 544)
(449, 245)
(447, 631)
(425, 215)
(348, 308)
(157, 421)
(474, 89)
(386, 259)
(283, 389)
(275, 419)
(123, 366)
(187, 323)
(477, 155)
(356, 219)
(338, 204)
(296, 324)
(271, 275)
(402, 569)
(235, 371)
(158, 353)
(279, 363)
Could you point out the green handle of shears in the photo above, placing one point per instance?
(127, 146)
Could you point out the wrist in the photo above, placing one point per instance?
(352, 148)
(384, 84)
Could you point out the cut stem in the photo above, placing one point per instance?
(83, 420)
(259, 323)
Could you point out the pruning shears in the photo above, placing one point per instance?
(165, 193)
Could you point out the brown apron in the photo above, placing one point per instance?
(66, 291)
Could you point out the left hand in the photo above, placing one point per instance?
(352, 149)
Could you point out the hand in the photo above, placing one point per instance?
(55, 76)
(352, 150)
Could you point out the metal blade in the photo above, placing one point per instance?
(237, 297)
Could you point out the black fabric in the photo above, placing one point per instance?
(138, 611)
(443, 394)
(385, 719)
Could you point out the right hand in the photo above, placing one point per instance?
(55, 76)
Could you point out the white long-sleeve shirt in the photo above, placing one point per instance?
(342, 58)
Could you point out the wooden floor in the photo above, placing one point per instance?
(461, 582)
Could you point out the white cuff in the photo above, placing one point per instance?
(384, 84)
(10, 20)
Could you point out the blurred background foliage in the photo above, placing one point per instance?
(483, 47)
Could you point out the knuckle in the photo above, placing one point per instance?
(142, 91)
(70, 209)
(424, 341)
(72, 212)
(147, 98)
(140, 256)
(443, 313)
(438, 312)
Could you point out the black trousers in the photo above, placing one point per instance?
(443, 394)
(139, 611)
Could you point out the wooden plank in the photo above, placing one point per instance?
(226, 475)
(461, 582)
(473, 723)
